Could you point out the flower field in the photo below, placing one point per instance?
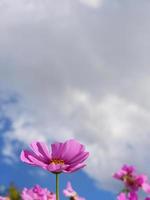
(69, 157)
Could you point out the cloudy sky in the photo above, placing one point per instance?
(76, 69)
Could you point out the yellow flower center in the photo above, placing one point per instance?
(57, 162)
(129, 179)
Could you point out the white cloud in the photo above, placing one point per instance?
(93, 3)
(113, 129)
(78, 74)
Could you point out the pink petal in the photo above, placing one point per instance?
(75, 168)
(71, 149)
(79, 158)
(57, 149)
(121, 196)
(146, 187)
(25, 157)
(69, 192)
(30, 158)
(41, 149)
(128, 169)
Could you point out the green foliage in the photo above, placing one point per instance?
(13, 192)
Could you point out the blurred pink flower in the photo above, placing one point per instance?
(64, 157)
(122, 196)
(132, 181)
(37, 193)
(146, 187)
(71, 193)
(147, 198)
(129, 196)
(4, 198)
(124, 171)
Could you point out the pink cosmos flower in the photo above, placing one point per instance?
(64, 157)
(37, 193)
(71, 193)
(132, 181)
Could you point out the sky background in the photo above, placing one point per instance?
(75, 69)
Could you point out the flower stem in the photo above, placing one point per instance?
(57, 186)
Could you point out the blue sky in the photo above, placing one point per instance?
(76, 69)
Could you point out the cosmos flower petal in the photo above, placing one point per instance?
(25, 157)
(71, 193)
(71, 149)
(68, 191)
(121, 196)
(38, 162)
(129, 196)
(80, 198)
(37, 193)
(128, 168)
(30, 158)
(57, 149)
(132, 195)
(40, 149)
(80, 158)
(146, 187)
(75, 168)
